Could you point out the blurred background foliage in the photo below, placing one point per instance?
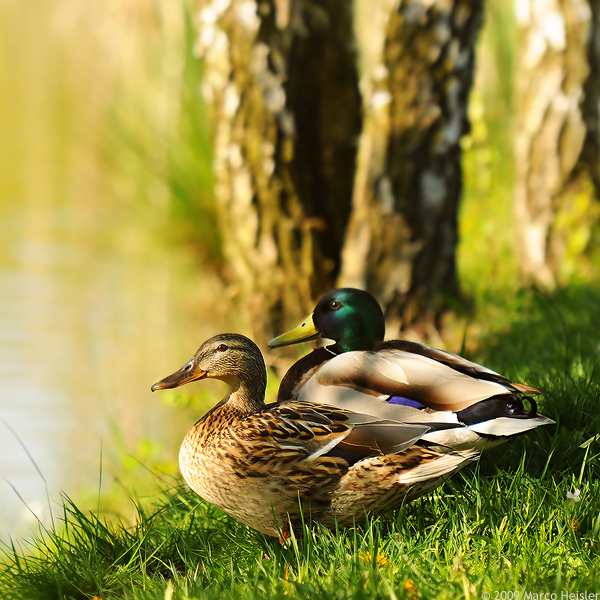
(116, 86)
(486, 228)
(103, 117)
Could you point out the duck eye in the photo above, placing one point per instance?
(222, 347)
(334, 305)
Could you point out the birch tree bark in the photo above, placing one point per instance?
(418, 70)
(325, 178)
(556, 141)
(282, 84)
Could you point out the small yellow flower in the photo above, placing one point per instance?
(409, 586)
(381, 560)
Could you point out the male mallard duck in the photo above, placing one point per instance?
(467, 405)
(271, 465)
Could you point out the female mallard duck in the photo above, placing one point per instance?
(270, 466)
(465, 404)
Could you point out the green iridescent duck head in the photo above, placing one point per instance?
(351, 317)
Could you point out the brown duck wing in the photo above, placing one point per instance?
(457, 363)
(307, 432)
(393, 372)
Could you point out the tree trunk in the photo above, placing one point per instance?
(281, 81)
(418, 70)
(556, 141)
(321, 181)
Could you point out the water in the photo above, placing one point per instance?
(95, 305)
(84, 332)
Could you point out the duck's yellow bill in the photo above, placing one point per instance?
(303, 333)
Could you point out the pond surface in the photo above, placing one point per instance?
(94, 305)
(84, 332)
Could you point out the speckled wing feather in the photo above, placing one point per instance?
(400, 478)
(313, 430)
(399, 373)
(458, 363)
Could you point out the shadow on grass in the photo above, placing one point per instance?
(550, 341)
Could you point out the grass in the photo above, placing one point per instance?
(505, 524)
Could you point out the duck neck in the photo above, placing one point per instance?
(363, 335)
(245, 397)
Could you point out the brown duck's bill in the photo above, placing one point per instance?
(305, 332)
(189, 372)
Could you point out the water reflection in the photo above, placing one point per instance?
(83, 334)
(94, 307)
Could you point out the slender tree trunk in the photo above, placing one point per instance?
(418, 70)
(556, 141)
(322, 181)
